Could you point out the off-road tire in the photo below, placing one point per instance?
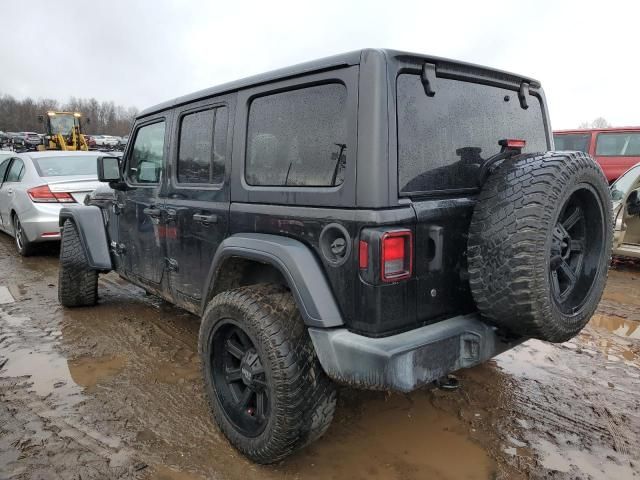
(77, 283)
(511, 236)
(23, 245)
(303, 397)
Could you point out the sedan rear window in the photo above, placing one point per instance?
(66, 166)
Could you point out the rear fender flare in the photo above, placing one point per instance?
(93, 235)
(297, 264)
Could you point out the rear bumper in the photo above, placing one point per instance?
(408, 360)
(41, 222)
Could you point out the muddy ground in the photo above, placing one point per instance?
(115, 392)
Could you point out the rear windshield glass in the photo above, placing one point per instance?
(442, 140)
(618, 144)
(579, 142)
(66, 166)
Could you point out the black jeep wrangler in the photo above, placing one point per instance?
(376, 219)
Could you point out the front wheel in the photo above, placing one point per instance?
(267, 390)
(77, 283)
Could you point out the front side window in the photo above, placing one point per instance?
(16, 171)
(146, 159)
(618, 144)
(573, 141)
(298, 138)
(202, 148)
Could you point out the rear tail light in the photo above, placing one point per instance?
(396, 255)
(43, 194)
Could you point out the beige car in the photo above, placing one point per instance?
(626, 210)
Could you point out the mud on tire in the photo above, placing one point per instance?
(540, 244)
(77, 283)
(301, 399)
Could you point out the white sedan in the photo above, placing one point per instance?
(626, 210)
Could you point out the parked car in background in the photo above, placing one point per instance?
(626, 210)
(105, 141)
(91, 142)
(615, 149)
(27, 139)
(34, 187)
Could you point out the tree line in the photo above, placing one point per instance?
(105, 118)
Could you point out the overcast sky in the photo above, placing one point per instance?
(139, 53)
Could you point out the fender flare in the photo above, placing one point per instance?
(298, 265)
(93, 236)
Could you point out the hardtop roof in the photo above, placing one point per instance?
(327, 63)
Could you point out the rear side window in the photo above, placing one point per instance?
(4, 164)
(16, 172)
(146, 159)
(443, 140)
(618, 144)
(298, 138)
(578, 142)
(202, 148)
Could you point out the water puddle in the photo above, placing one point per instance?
(617, 325)
(89, 371)
(47, 371)
(394, 437)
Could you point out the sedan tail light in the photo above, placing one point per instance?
(43, 194)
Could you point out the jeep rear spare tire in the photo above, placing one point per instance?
(540, 244)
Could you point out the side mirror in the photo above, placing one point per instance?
(109, 169)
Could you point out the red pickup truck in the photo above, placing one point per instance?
(615, 149)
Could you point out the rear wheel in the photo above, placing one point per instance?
(23, 245)
(540, 244)
(267, 390)
(77, 283)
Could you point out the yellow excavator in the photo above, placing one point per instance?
(64, 131)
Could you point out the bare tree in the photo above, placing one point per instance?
(105, 117)
(599, 122)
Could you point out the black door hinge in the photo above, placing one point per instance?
(171, 264)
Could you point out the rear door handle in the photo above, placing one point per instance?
(152, 212)
(205, 218)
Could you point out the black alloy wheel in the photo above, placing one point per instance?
(576, 249)
(240, 379)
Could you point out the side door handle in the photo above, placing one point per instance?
(152, 212)
(205, 219)
(10, 191)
